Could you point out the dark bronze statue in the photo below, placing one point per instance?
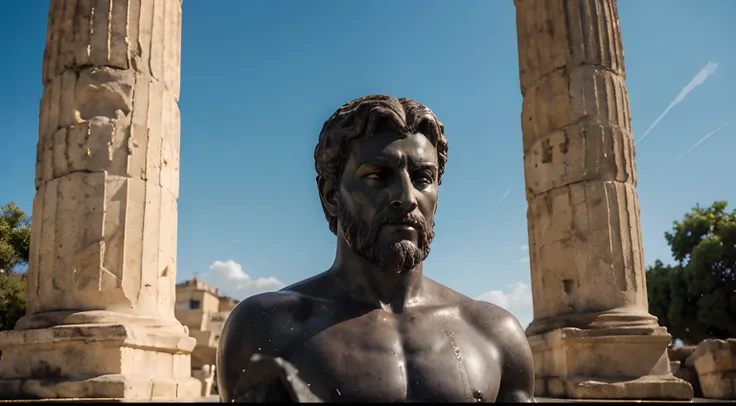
(373, 327)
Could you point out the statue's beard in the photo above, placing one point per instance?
(398, 256)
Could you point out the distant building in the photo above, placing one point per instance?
(203, 310)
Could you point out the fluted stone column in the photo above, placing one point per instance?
(100, 320)
(592, 335)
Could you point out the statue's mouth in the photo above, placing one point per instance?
(405, 222)
(405, 227)
(401, 230)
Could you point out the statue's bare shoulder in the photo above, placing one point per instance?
(251, 329)
(503, 329)
(268, 322)
(250, 326)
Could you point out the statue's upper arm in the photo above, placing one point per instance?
(245, 333)
(517, 368)
(517, 378)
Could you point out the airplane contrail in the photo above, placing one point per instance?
(237, 241)
(504, 196)
(702, 139)
(709, 69)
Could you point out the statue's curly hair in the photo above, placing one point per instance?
(361, 117)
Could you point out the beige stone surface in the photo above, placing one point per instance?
(683, 368)
(203, 310)
(681, 353)
(100, 320)
(206, 375)
(607, 363)
(559, 400)
(689, 375)
(592, 335)
(715, 362)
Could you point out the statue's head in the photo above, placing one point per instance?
(379, 163)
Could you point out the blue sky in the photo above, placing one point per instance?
(260, 77)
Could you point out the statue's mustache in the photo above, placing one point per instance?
(391, 217)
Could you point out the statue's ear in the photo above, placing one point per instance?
(327, 195)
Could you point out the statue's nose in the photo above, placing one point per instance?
(403, 197)
(404, 206)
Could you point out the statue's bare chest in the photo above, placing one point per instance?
(380, 356)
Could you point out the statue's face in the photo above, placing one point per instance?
(387, 198)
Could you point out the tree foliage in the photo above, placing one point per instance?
(12, 299)
(15, 236)
(696, 298)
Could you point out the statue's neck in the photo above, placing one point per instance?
(367, 282)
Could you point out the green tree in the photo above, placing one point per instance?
(12, 299)
(658, 291)
(15, 237)
(696, 299)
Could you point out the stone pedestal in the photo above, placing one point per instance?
(206, 375)
(588, 282)
(682, 367)
(100, 321)
(613, 363)
(97, 360)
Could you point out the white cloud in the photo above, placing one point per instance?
(709, 69)
(526, 258)
(230, 279)
(517, 299)
(518, 295)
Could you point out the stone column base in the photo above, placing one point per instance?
(606, 363)
(105, 387)
(110, 361)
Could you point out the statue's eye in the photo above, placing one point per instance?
(423, 178)
(374, 177)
